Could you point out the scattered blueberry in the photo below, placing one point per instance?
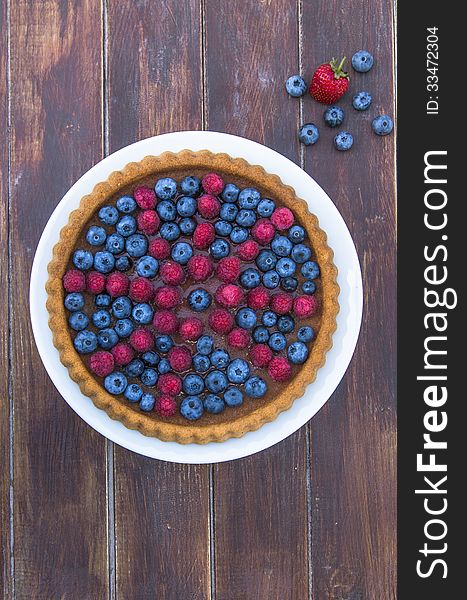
(296, 234)
(170, 231)
(308, 134)
(186, 206)
(201, 363)
(246, 217)
(85, 341)
(301, 253)
(362, 100)
(295, 86)
(266, 260)
(229, 211)
(151, 358)
(123, 263)
(249, 198)
(135, 368)
(104, 262)
(103, 300)
(343, 141)
(223, 228)
(382, 125)
(260, 334)
(205, 344)
(285, 267)
(309, 287)
(289, 284)
(281, 245)
(269, 318)
(164, 366)
(187, 226)
(333, 116)
(362, 61)
(239, 234)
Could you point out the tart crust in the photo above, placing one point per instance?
(192, 432)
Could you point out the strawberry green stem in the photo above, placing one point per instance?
(338, 68)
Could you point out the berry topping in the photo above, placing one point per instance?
(169, 384)
(228, 269)
(229, 295)
(282, 218)
(172, 273)
(248, 250)
(305, 306)
(123, 353)
(148, 221)
(142, 340)
(74, 281)
(167, 297)
(258, 298)
(238, 338)
(263, 230)
(102, 363)
(95, 282)
(281, 303)
(165, 321)
(203, 235)
(165, 406)
(141, 289)
(212, 184)
(179, 358)
(159, 248)
(279, 369)
(117, 284)
(261, 355)
(221, 321)
(191, 329)
(200, 267)
(208, 206)
(145, 197)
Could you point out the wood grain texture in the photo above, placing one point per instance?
(161, 509)
(59, 462)
(354, 435)
(260, 503)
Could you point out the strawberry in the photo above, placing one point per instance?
(329, 82)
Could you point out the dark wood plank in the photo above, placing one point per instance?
(354, 435)
(260, 502)
(161, 509)
(59, 462)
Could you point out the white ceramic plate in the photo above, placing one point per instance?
(348, 319)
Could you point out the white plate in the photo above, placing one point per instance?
(348, 319)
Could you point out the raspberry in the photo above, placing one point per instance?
(122, 353)
(229, 295)
(95, 282)
(281, 303)
(228, 269)
(74, 281)
(148, 221)
(199, 267)
(165, 321)
(282, 218)
(305, 306)
(169, 384)
(263, 231)
(167, 297)
(261, 355)
(165, 406)
(191, 329)
(203, 235)
(142, 340)
(172, 273)
(141, 290)
(212, 184)
(221, 321)
(101, 363)
(159, 248)
(208, 206)
(238, 338)
(258, 298)
(117, 284)
(145, 197)
(248, 250)
(279, 369)
(180, 358)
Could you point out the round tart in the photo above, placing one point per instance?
(192, 296)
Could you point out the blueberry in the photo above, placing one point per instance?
(260, 334)
(167, 210)
(309, 287)
(219, 248)
(124, 327)
(151, 358)
(142, 313)
(295, 86)
(285, 324)
(249, 198)
(277, 341)
(74, 301)
(163, 343)
(266, 260)
(305, 334)
(233, 396)
(193, 384)
(107, 338)
(297, 353)
(83, 260)
(104, 262)
(147, 402)
(115, 243)
(187, 226)
(121, 307)
(136, 245)
(310, 270)
(362, 100)
(96, 236)
(199, 300)
(343, 141)
(78, 321)
(223, 228)
(101, 319)
(285, 267)
(271, 279)
(147, 266)
(166, 188)
(362, 61)
(269, 318)
(255, 387)
(133, 392)
(123, 263)
(214, 404)
(220, 358)
(216, 382)
(201, 363)
(205, 344)
(186, 206)
(135, 368)
(190, 185)
(281, 245)
(289, 284)
(191, 408)
(238, 371)
(308, 134)
(382, 125)
(115, 383)
(108, 215)
(103, 300)
(229, 211)
(296, 234)
(246, 318)
(85, 341)
(266, 207)
(126, 204)
(250, 278)
(164, 366)
(230, 193)
(170, 231)
(182, 252)
(301, 253)
(126, 226)
(149, 377)
(333, 116)
(239, 234)
(246, 217)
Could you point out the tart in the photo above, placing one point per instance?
(192, 296)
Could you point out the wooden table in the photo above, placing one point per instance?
(312, 517)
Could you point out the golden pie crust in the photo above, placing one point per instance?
(186, 161)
